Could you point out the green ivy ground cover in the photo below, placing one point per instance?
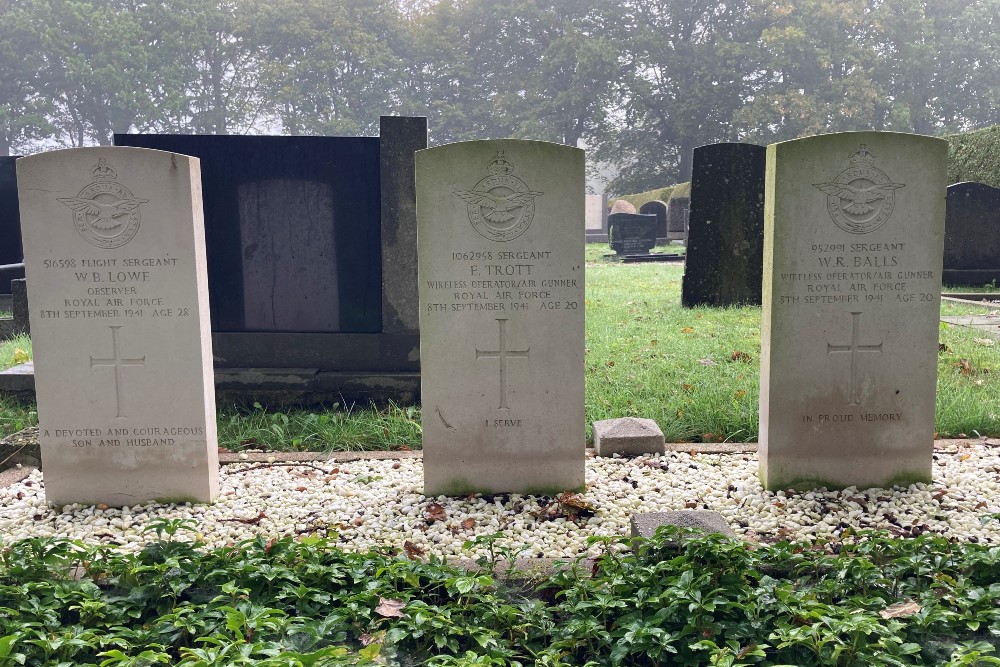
(870, 601)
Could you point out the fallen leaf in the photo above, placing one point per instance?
(300, 489)
(687, 387)
(390, 608)
(469, 523)
(964, 457)
(574, 500)
(251, 521)
(943, 348)
(740, 356)
(981, 505)
(401, 448)
(653, 342)
(965, 368)
(739, 393)
(900, 610)
(987, 342)
(413, 552)
(20, 356)
(687, 330)
(707, 361)
(435, 512)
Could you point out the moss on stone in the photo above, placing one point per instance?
(903, 479)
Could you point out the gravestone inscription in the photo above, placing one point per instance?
(854, 229)
(501, 271)
(115, 261)
(724, 262)
(972, 234)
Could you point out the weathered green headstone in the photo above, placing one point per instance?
(854, 229)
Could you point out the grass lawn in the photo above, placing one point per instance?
(694, 371)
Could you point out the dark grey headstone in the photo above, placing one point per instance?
(399, 139)
(972, 234)
(659, 209)
(10, 224)
(19, 305)
(677, 211)
(725, 246)
(632, 233)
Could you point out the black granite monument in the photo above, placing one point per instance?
(972, 235)
(659, 209)
(631, 233)
(311, 245)
(10, 225)
(725, 247)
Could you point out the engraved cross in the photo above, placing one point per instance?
(502, 354)
(854, 348)
(119, 365)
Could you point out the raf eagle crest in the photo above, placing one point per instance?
(105, 213)
(860, 200)
(501, 207)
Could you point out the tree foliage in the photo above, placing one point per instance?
(639, 82)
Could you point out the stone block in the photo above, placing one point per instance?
(627, 435)
(644, 525)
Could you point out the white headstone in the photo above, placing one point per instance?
(501, 264)
(118, 296)
(854, 230)
(596, 216)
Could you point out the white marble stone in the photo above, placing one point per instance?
(118, 302)
(500, 263)
(596, 216)
(854, 229)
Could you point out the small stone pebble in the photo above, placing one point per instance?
(368, 503)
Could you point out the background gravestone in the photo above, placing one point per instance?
(854, 232)
(501, 316)
(596, 220)
(115, 257)
(677, 212)
(312, 261)
(631, 233)
(972, 234)
(10, 224)
(724, 262)
(659, 209)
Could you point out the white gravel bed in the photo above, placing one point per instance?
(367, 503)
